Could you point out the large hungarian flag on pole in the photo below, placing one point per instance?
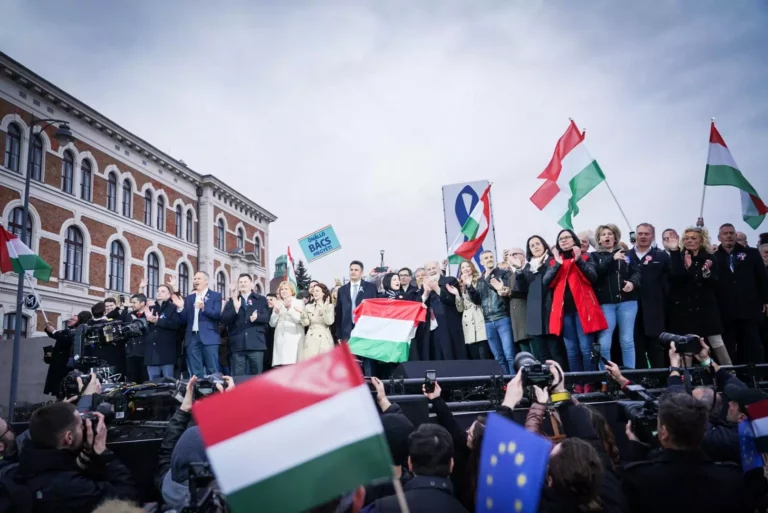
(295, 437)
(722, 170)
(16, 256)
(290, 271)
(473, 233)
(572, 173)
(384, 328)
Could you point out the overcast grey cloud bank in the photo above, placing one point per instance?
(356, 113)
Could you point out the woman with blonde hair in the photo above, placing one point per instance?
(419, 275)
(693, 307)
(286, 319)
(318, 316)
(472, 318)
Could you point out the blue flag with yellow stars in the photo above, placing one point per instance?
(750, 458)
(513, 464)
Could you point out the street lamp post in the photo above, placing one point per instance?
(63, 136)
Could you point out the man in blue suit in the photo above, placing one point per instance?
(348, 297)
(201, 313)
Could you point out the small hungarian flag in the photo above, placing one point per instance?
(295, 437)
(757, 412)
(473, 233)
(16, 256)
(722, 170)
(384, 328)
(571, 174)
(290, 272)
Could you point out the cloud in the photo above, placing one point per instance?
(355, 114)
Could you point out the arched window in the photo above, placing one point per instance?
(112, 192)
(116, 266)
(179, 218)
(85, 180)
(183, 278)
(221, 283)
(9, 326)
(153, 275)
(240, 238)
(13, 147)
(127, 198)
(148, 208)
(37, 159)
(257, 288)
(220, 233)
(160, 225)
(190, 226)
(257, 248)
(67, 172)
(15, 226)
(73, 254)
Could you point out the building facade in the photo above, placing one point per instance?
(110, 210)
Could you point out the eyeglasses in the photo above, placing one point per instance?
(565, 238)
(8, 429)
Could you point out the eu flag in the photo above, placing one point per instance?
(513, 464)
(750, 458)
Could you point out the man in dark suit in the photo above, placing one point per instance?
(742, 296)
(409, 288)
(246, 316)
(650, 321)
(348, 297)
(201, 313)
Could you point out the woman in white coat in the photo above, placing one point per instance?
(286, 319)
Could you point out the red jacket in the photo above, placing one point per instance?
(579, 276)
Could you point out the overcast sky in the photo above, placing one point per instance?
(356, 113)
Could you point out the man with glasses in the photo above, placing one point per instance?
(409, 289)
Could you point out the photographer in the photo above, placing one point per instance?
(680, 476)
(181, 447)
(61, 352)
(65, 465)
(112, 352)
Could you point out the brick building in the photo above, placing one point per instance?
(110, 210)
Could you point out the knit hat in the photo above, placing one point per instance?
(189, 449)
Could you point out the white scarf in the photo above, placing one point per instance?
(536, 262)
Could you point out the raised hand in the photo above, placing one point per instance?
(143, 284)
(628, 287)
(497, 284)
(576, 252)
(619, 255)
(557, 256)
(451, 289)
(673, 244)
(688, 260)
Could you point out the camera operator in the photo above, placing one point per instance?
(681, 477)
(65, 465)
(181, 447)
(136, 372)
(114, 352)
(58, 361)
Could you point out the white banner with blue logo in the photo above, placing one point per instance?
(458, 201)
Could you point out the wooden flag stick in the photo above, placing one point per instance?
(400, 495)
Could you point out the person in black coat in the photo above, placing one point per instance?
(134, 347)
(61, 352)
(742, 296)
(693, 306)
(246, 317)
(160, 344)
(65, 465)
(111, 352)
(408, 284)
(651, 312)
(349, 296)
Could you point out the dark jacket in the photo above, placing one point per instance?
(741, 293)
(134, 347)
(244, 335)
(464, 475)
(494, 306)
(673, 481)
(176, 427)
(693, 307)
(611, 275)
(424, 494)
(49, 480)
(654, 286)
(344, 312)
(539, 298)
(57, 369)
(160, 343)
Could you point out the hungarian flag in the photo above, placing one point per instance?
(295, 437)
(290, 272)
(722, 170)
(16, 256)
(572, 173)
(758, 414)
(384, 328)
(473, 233)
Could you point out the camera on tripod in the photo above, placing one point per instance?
(684, 344)
(107, 332)
(642, 411)
(533, 371)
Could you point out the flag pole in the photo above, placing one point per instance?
(29, 280)
(400, 495)
(629, 225)
(704, 189)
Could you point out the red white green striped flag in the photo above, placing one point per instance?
(295, 437)
(758, 415)
(384, 328)
(290, 272)
(722, 170)
(17, 257)
(473, 233)
(571, 174)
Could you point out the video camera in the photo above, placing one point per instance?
(642, 411)
(107, 332)
(684, 344)
(534, 372)
(85, 366)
